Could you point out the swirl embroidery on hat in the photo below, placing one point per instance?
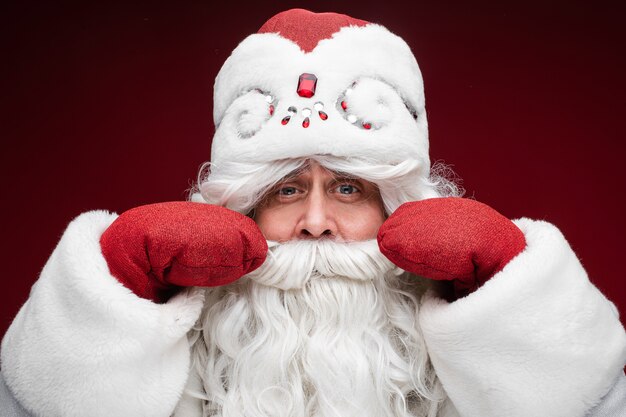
(369, 104)
(257, 107)
(342, 108)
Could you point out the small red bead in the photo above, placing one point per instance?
(271, 109)
(323, 115)
(306, 85)
(306, 122)
(344, 105)
(285, 120)
(367, 126)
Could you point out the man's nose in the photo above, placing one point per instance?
(318, 219)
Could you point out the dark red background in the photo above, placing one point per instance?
(108, 106)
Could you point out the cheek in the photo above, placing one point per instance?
(362, 223)
(274, 224)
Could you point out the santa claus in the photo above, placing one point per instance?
(332, 272)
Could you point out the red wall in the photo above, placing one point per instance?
(109, 107)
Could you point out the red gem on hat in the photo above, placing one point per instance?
(306, 122)
(323, 115)
(285, 120)
(306, 85)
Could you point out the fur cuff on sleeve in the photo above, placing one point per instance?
(538, 339)
(84, 345)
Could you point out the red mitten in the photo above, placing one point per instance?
(451, 239)
(156, 249)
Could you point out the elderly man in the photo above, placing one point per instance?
(327, 276)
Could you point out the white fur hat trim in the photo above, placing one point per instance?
(388, 95)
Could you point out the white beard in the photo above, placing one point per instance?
(320, 329)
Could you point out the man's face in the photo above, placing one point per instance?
(321, 320)
(316, 203)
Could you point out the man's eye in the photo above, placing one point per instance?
(347, 189)
(287, 191)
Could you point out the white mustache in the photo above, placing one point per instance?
(293, 264)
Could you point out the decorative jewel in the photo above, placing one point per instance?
(306, 85)
(323, 115)
(352, 118)
(318, 106)
(367, 125)
(285, 120)
(292, 110)
(306, 112)
(271, 109)
(306, 122)
(269, 98)
(344, 105)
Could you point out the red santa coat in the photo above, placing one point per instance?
(538, 339)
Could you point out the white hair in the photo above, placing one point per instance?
(241, 186)
(320, 329)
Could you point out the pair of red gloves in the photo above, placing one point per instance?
(155, 250)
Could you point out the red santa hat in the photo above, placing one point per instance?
(320, 84)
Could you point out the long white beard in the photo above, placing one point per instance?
(321, 329)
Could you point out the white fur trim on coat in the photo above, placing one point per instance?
(388, 84)
(84, 345)
(538, 339)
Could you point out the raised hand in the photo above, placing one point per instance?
(156, 249)
(451, 239)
